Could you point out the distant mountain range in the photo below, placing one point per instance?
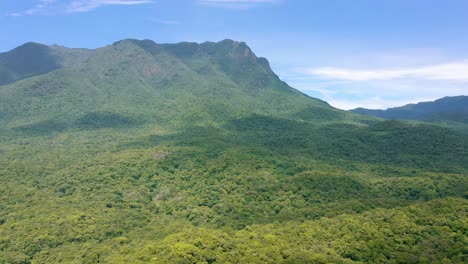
(453, 109)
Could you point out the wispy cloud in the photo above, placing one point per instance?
(39, 7)
(43, 7)
(380, 87)
(88, 5)
(378, 94)
(237, 4)
(377, 102)
(457, 71)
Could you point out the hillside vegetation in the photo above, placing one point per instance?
(140, 152)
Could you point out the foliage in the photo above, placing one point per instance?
(198, 153)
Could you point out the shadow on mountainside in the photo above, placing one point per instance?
(90, 121)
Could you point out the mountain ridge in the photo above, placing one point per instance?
(449, 108)
(225, 74)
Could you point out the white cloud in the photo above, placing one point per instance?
(40, 6)
(380, 94)
(457, 71)
(53, 6)
(237, 4)
(88, 5)
(43, 7)
(380, 88)
(376, 102)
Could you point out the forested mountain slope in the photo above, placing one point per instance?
(144, 82)
(140, 152)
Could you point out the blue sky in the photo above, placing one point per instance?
(351, 53)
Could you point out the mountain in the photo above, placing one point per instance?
(33, 59)
(184, 82)
(453, 109)
(140, 152)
